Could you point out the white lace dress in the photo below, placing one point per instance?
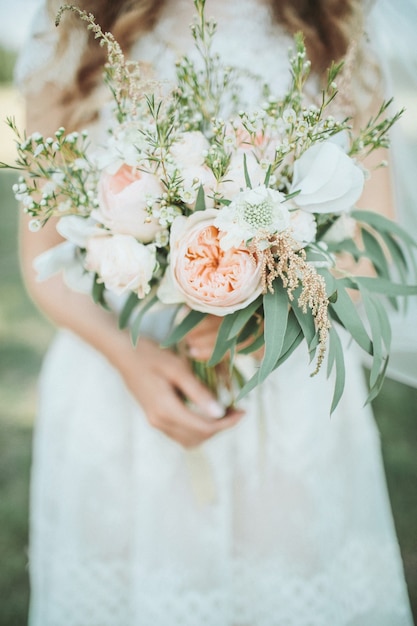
(298, 529)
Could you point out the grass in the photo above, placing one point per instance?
(24, 335)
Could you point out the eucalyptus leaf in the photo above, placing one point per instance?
(223, 343)
(387, 287)
(252, 328)
(378, 385)
(293, 337)
(242, 317)
(347, 314)
(376, 334)
(336, 350)
(255, 345)
(190, 321)
(135, 330)
(98, 291)
(249, 386)
(383, 224)
(127, 310)
(375, 253)
(276, 318)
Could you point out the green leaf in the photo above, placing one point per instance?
(276, 318)
(268, 175)
(245, 169)
(98, 292)
(251, 329)
(336, 357)
(383, 224)
(249, 386)
(398, 257)
(375, 253)
(348, 316)
(135, 330)
(242, 317)
(223, 343)
(252, 347)
(190, 321)
(293, 337)
(200, 203)
(386, 287)
(384, 323)
(127, 310)
(378, 385)
(347, 245)
(376, 334)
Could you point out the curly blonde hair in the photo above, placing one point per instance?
(328, 26)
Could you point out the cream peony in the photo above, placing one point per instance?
(203, 275)
(123, 198)
(328, 180)
(122, 263)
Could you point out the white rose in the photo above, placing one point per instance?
(77, 229)
(343, 228)
(234, 180)
(303, 226)
(122, 263)
(192, 178)
(190, 149)
(328, 180)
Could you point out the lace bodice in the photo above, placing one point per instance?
(260, 38)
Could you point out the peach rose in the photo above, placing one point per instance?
(204, 276)
(123, 198)
(122, 263)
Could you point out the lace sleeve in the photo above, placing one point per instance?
(41, 61)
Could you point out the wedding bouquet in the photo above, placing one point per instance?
(195, 201)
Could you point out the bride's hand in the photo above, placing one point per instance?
(162, 382)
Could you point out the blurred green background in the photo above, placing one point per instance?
(24, 336)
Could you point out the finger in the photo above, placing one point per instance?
(194, 390)
(196, 429)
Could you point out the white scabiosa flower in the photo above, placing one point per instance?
(257, 212)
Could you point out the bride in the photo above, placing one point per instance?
(144, 510)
